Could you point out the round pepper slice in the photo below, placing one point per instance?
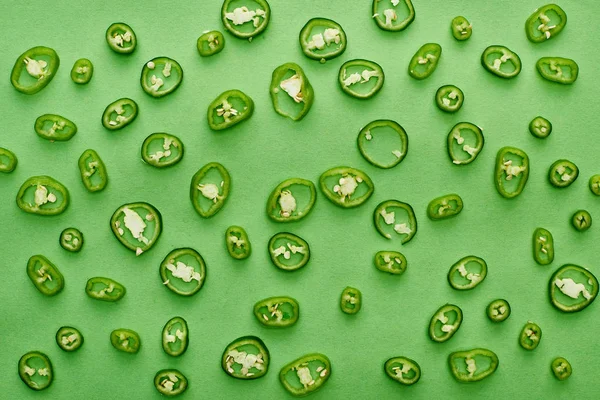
(45, 276)
(228, 109)
(289, 82)
(71, 239)
(392, 262)
(175, 336)
(322, 39)
(388, 130)
(162, 150)
(242, 22)
(170, 382)
(498, 310)
(210, 43)
(572, 288)
(161, 76)
(594, 184)
(385, 214)
(458, 145)
(104, 289)
(445, 322)
(125, 340)
(54, 127)
(49, 197)
(183, 271)
(558, 69)
(121, 38)
(346, 187)
(561, 368)
(247, 357)
(385, 13)
(209, 198)
(8, 160)
(425, 61)
(69, 338)
(449, 98)
(511, 172)
(462, 278)
(461, 28)
(82, 71)
(444, 207)
(237, 242)
(464, 365)
(34, 69)
(93, 171)
(137, 226)
(543, 246)
(540, 127)
(581, 220)
(531, 335)
(562, 173)
(494, 59)
(282, 205)
(361, 79)
(35, 370)
(277, 312)
(403, 370)
(351, 300)
(120, 113)
(288, 252)
(539, 27)
(312, 370)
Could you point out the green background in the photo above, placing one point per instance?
(268, 149)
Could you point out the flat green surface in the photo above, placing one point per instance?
(267, 149)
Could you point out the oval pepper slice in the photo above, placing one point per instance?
(306, 374)
(210, 43)
(465, 140)
(162, 150)
(444, 207)
(237, 242)
(244, 23)
(387, 130)
(512, 171)
(137, 226)
(121, 38)
(277, 312)
(104, 289)
(403, 370)
(361, 79)
(35, 370)
(542, 24)
(228, 109)
(351, 300)
(209, 198)
(93, 171)
(385, 215)
(562, 173)
(449, 98)
(170, 382)
(125, 340)
(531, 335)
(498, 310)
(170, 76)
(82, 71)
(594, 184)
(581, 220)
(392, 262)
(175, 336)
(464, 364)
(346, 187)
(44, 275)
(558, 69)
(425, 61)
(69, 338)
(8, 160)
(501, 61)
(561, 368)
(291, 92)
(322, 39)
(71, 239)
(53, 127)
(461, 28)
(120, 113)
(540, 127)
(183, 271)
(385, 14)
(543, 246)
(282, 205)
(247, 357)
(34, 69)
(445, 323)
(467, 273)
(572, 288)
(43, 195)
(288, 251)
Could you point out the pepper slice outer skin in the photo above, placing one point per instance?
(43, 180)
(351, 296)
(594, 184)
(463, 262)
(54, 119)
(389, 370)
(117, 105)
(292, 238)
(499, 172)
(448, 89)
(405, 23)
(306, 90)
(479, 142)
(445, 336)
(195, 193)
(321, 379)
(204, 38)
(561, 368)
(305, 35)
(464, 377)
(241, 342)
(152, 215)
(277, 192)
(69, 245)
(242, 115)
(85, 77)
(554, 170)
(120, 26)
(69, 331)
(395, 203)
(246, 247)
(27, 379)
(540, 132)
(124, 345)
(581, 220)
(335, 198)
(175, 141)
(553, 288)
(436, 214)
(433, 49)
(373, 66)
(12, 162)
(516, 61)
(499, 317)
(543, 246)
(45, 79)
(532, 25)
(173, 255)
(295, 312)
(99, 168)
(457, 31)
(146, 71)
(230, 27)
(110, 284)
(558, 62)
(524, 339)
(184, 331)
(182, 382)
(366, 132)
(381, 265)
(49, 270)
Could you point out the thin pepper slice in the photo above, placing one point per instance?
(306, 374)
(71, 239)
(170, 382)
(210, 43)
(494, 58)
(349, 182)
(120, 113)
(82, 71)
(425, 61)
(105, 289)
(228, 109)
(34, 69)
(45, 276)
(530, 336)
(581, 220)
(463, 364)
(162, 150)
(322, 39)
(47, 192)
(403, 370)
(35, 370)
(395, 155)
(539, 27)
(125, 340)
(244, 23)
(175, 336)
(461, 28)
(558, 69)
(69, 339)
(505, 171)
(572, 288)
(131, 221)
(355, 75)
(237, 242)
(462, 278)
(121, 38)
(445, 322)
(498, 310)
(161, 76)
(561, 368)
(288, 252)
(8, 160)
(383, 217)
(213, 194)
(540, 127)
(594, 183)
(93, 171)
(449, 98)
(351, 300)
(183, 271)
(458, 151)
(247, 357)
(444, 207)
(543, 246)
(54, 127)
(282, 205)
(277, 312)
(387, 18)
(562, 173)
(290, 79)
(392, 262)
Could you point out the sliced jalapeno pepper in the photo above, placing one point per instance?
(540, 127)
(69, 338)
(290, 79)
(288, 251)
(561, 368)
(322, 39)
(346, 187)
(351, 300)
(531, 335)
(403, 370)
(53, 127)
(104, 289)
(170, 382)
(449, 98)
(361, 79)
(463, 275)
(35, 370)
(34, 69)
(8, 160)
(209, 198)
(445, 323)
(210, 43)
(390, 131)
(510, 179)
(572, 288)
(43, 195)
(425, 61)
(501, 61)
(93, 171)
(464, 364)
(385, 214)
(242, 22)
(183, 271)
(498, 310)
(306, 374)
(458, 149)
(121, 38)
(125, 340)
(563, 173)
(543, 246)
(444, 207)
(558, 69)
(82, 71)
(142, 223)
(162, 150)
(120, 113)
(71, 239)
(385, 14)
(175, 336)
(282, 205)
(392, 262)
(171, 76)
(277, 312)
(238, 244)
(594, 183)
(229, 109)
(45, 276)
(247, 357)
(545, 23)
(581, 220)
(462, 29)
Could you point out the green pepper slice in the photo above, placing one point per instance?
(322, 39)
(545, 23)
(558, 69)
(385, 14)
(392, 135)
(242, 21)
(237, 242)
(121, 38)
(170, 382)
(561, 368)
(306, 374)
(69, 338)
(228, 109)
(346, 187)
(444, 207)
(71, 239)
(209, 198)
(449, 98)
(540, 127)
(34, 69)
(462, 153)
(361, 79)
(142, 223)
(530, 336)
(120, 113)
(425, 61)
(45, 276)
(461, 28)
(43, 195)
(498, 310)
(183, 271)
(277, 312)
(93, 171)
(104, 289)
(8, 160)
(463, 275)
(543, 246)
(464, 364)
(351, 300)
(594, 184)
(501, 61)
(82, 71)
(168, 80)
(125, 340)
(54, 127)
(290, 82)
(510, 179)
(210, 43)
(572, 288)
(385, 214)
(445, 322)
(175, 336)
(392, 262)
(35, 370)
(581, 220)
(288, 252)
(563, 173)
(162, 150)
(247, 357)
(282, 205)
(403, 370)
